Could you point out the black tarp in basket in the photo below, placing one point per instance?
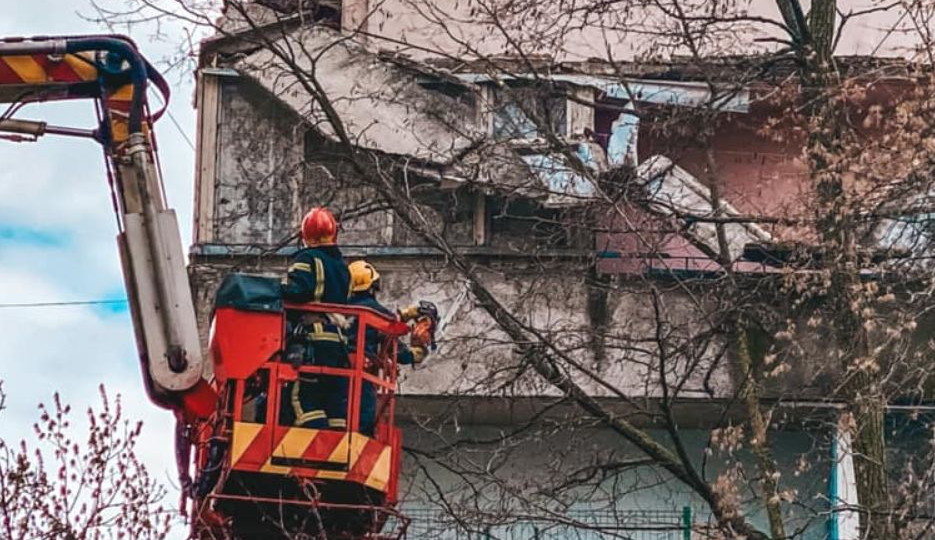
(249, 292)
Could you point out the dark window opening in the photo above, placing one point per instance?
(604, 118)
(451, 213)
(515, 110)
(459, 92)
(908, 436)
(522, 224)
(327, 12)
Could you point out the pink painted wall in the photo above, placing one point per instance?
(756, 173)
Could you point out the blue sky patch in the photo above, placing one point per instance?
(111, 308)
(114, 304)
(11, 233)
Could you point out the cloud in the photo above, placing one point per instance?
(57, 243)
(73, 349)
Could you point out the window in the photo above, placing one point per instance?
(510, 120)
(449, 211)
(912, 233)
(327, 12)
(521, 224)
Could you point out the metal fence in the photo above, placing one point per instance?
(434, 524)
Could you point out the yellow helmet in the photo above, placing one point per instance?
(363, 276)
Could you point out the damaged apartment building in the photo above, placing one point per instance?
(469, 141)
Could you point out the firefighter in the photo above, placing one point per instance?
(365, 283)
(318, 274)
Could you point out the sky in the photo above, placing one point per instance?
(57, 243)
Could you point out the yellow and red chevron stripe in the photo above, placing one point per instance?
(42, 68)
(40, 71)
(276, 450)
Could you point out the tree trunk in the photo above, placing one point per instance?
(821, 25)
(759, 441)
(846, 299)
(870, 465)
(835, 221)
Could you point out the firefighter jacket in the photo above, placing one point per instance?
(404, 356)
(371, 336)
(317, 274)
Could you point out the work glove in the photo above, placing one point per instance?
(296, 350)
(295, 355)
(408, 313)
(423, 309)
(419, 354)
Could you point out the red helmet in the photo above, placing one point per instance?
(319, 228)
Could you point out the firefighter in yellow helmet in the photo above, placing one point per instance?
(365, 284)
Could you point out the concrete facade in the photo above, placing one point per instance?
(269, 165)
(266, 155)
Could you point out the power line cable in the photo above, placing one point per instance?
(178, 127)
(60, 304)
(110, 27)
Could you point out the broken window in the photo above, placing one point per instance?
(561, 184)
(450, 212)
(523, 224)
(517, 108)
(616, 129)
(467, 218)
(323, 11)
(910, 232)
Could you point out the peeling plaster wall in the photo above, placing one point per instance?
(372, 97)
(475, 357)
(580, 111)
(259, 166)
(422, 27)
(271, 168)
(451, 26)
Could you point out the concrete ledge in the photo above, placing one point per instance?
(690, 413)
(255, 250)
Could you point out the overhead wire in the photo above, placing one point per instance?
(178, 128)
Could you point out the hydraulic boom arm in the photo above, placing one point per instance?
(110, 71)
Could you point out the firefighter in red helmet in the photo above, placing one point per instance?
(318, 274)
